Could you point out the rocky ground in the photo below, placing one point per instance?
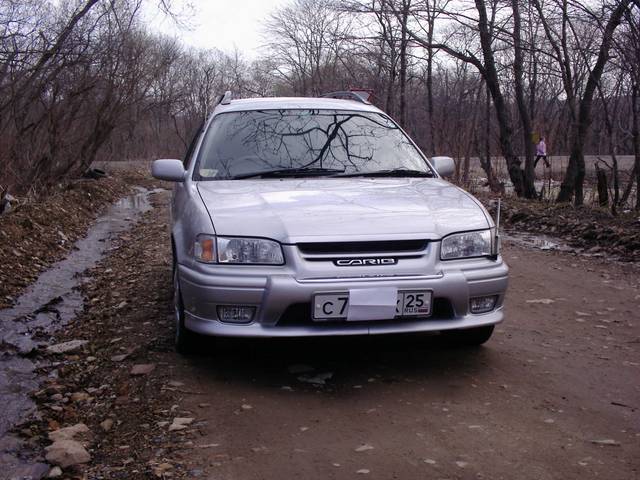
(587, 230)
(553, 395)
(117, 383)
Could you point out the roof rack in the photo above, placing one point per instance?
(359, 95)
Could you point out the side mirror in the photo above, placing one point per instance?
(171, 170)
(445, 166)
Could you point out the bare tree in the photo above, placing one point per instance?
(579, 100)
(306, 39)
(83, 80)
(485, 63)
(523, 107)
(73, 76)
(628, 49)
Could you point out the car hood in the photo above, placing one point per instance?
(333, 209)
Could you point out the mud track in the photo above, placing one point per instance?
(553, 395)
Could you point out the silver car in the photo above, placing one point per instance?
(320, 216)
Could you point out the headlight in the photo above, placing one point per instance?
(465, 245)
(249, 250)
(259, 251)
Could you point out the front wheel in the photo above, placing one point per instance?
(470, 337)
(185, 340)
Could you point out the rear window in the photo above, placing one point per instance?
(238, 143)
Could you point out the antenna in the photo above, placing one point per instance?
(496, 239)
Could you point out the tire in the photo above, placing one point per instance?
(471, 337)
(186, 341)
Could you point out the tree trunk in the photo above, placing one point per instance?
(573, 181)
(389, 108)
(502, 110)
(612, 143)
(603, 189)
(403, 62)
(635, 99)
(485, 161)
(525, 117)
(627, 191)
(431, 134)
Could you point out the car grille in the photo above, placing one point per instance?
(387, 246)
(299, 315)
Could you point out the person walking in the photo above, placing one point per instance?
(541, 153)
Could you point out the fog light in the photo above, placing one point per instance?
(235, 313)
(483, 304)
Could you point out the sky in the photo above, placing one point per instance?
(223, 24)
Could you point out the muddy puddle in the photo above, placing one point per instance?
(536, 241)
(47, 305)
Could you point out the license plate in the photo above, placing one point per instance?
(335, 306)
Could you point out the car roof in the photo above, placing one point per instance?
(273, 103)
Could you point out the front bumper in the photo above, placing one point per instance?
(283, 302)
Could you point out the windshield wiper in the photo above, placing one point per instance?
(290, 172)
(396, 172)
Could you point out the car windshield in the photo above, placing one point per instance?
(304, 142)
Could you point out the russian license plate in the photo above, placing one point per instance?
(335, 306)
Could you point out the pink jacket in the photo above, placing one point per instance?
(541, 148)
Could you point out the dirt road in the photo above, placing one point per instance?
(555, 394)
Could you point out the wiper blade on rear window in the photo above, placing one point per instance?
(396, 172)
(289, 172)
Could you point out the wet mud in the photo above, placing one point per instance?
(47, 305)
(536, 241)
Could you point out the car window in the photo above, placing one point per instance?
(188, 156)
(243, 142)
